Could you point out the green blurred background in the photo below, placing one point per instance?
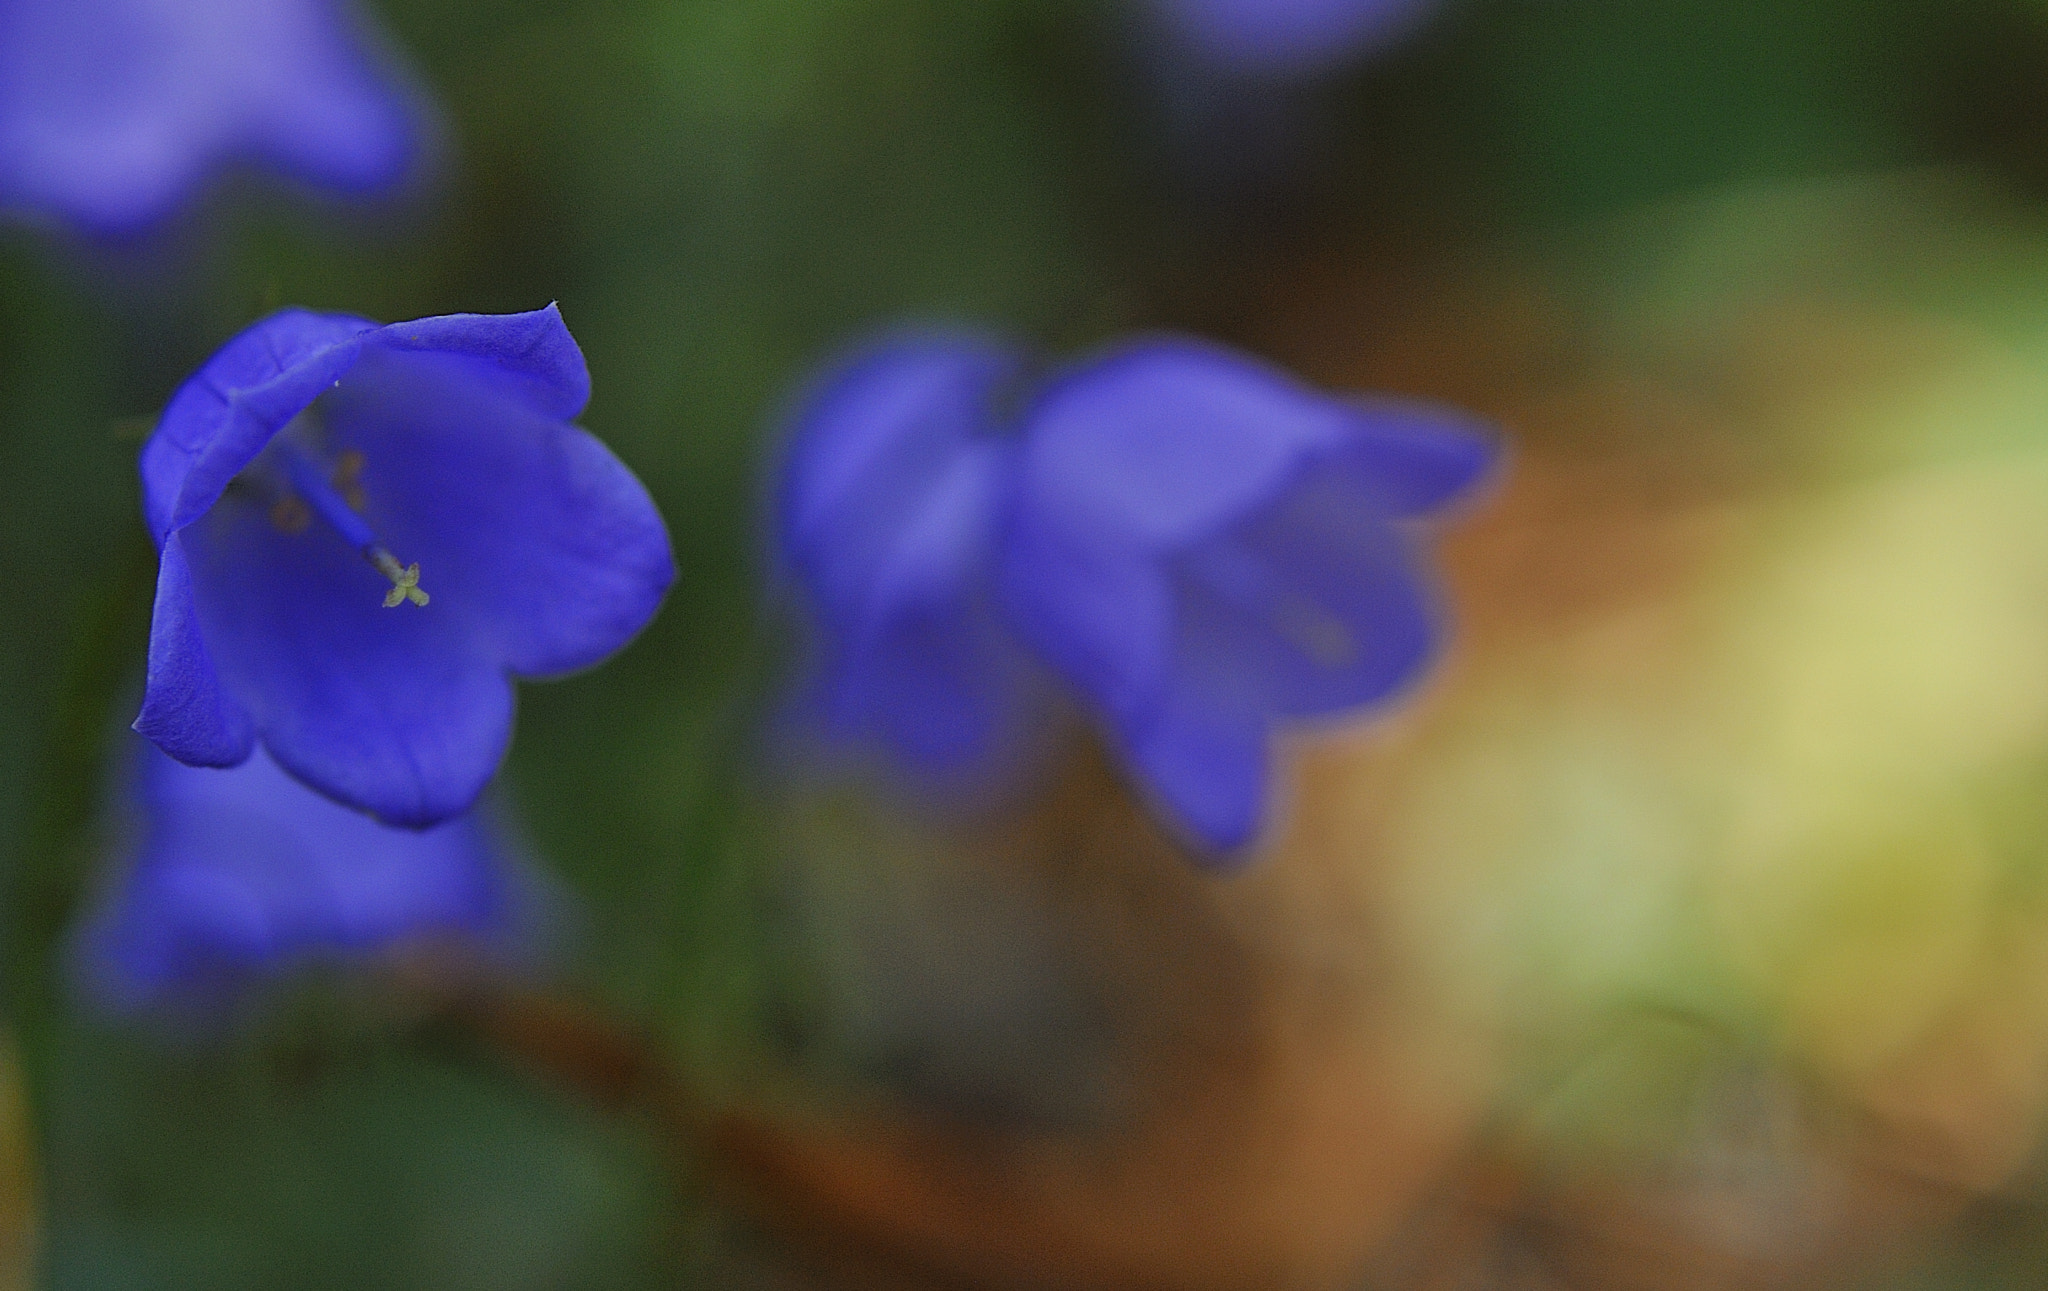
(1776, 266)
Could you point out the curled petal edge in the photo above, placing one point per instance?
(185, 710)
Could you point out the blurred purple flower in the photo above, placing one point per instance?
(113, 112)
(1285, 37)
(241, 876)
(283, 483)
(1201, 545)
(1197, 544)
(887, 512)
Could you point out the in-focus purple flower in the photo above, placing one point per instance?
(366, 532)
(239, 877)
(1285, 37)
(886, 516)
(114, 112)
(1201, 546)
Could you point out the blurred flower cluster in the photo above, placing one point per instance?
(1194, 543)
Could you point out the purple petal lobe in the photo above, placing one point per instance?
(1100, 613)
(184, 709)
(524, 524)
(242, 875)
(1311, 609)
(882, 437)
(1203, 547)
(532, 352)
(227, 412)
(889, 497)
(1164, 442)
(1410, 459)
(938, 686)
(405, 715)
(114, 112)
(1206, 767)
(1287, 37)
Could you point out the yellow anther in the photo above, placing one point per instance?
(348, 478)
(405, 579)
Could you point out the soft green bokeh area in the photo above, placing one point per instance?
(1760, 851)
(720, 191)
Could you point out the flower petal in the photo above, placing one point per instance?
(1313, 609)
(938, 686)
(1207, 767)
(889, 498)
(924, 663)
(113, 111)
(1287, 37)
(399, 712)
(1164, 442)
(184, 709)
(879, 439)
(342, 122)
(532, 354)
(328, 874)
(247, 873)
(1100, 614)
(1202, 546)
(227, 412)
(1408, 459)
(525, 525)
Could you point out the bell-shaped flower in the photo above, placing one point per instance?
(1285, 37)
(113, 113)
(1202, 546)
(365, 532)
(236, 878)
(888, 500)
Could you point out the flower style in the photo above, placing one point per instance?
(889, 498)
(241, 876)
(112, 112)
(283, 485)
(1285, 37)
(1201, 546)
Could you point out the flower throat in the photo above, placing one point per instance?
(335, 496)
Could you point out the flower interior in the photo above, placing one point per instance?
(304, 485)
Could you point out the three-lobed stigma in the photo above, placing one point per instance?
(405, 579)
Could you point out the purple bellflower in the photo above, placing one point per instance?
(365, 532)
(239, 877)
(1197, 545)
(1200, 545)
(114, 112)
(890, 495)
(1284, 38)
